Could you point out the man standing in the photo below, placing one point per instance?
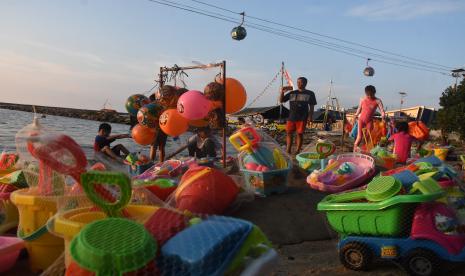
(301, 106)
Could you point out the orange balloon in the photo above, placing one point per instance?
(199, 123)
(236, 97)
(172, 123)
(143, 135)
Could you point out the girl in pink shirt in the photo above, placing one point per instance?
(366, 110)
(402, 142)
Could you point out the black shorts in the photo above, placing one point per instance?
(161, 138)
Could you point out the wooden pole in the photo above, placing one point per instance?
(343, 130)
(225, 124)
(282, 85)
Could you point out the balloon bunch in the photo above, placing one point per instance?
(175, 109)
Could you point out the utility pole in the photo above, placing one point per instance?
(456, 74)
(402, 96)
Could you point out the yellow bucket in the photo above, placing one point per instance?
(69, 223)
(34, 211)
(441, 153)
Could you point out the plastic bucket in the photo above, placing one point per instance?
(441, 153)
(8, 211)
(68, 224)
(34, 211)
(310, 161)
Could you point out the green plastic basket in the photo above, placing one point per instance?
(113, 246)
(389, 217)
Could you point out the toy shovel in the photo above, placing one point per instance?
(91, 183)
(379, 189)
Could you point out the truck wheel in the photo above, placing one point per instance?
(422, 262)
(355, 256)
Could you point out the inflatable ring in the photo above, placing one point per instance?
(44, 154)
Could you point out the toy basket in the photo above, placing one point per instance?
(310, 161)
(135, 170)
(366, 169)
(268, 182)
(386, 162)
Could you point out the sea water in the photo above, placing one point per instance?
(82, 131)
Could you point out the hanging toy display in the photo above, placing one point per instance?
(239, 32)
(134, 102)
(369, 71)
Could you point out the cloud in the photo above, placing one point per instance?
(404, 10)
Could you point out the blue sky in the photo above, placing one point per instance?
(81, 53)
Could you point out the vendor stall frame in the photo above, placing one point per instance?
(222, 66)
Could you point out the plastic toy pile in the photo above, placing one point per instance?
(105, 223)
(383, 157)
(344, 172)
(264, 164)
(413, 215)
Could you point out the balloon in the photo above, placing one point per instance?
(199, 123)
(168, 96)
(134, 102)
(235, 95)
(143, 135)
(214, 91)
(149, 114)
(193, 105)
(172, 123)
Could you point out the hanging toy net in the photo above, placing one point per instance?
(50, 160)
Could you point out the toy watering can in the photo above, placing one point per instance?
(325, 149)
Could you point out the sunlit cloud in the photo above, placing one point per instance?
(404, 10)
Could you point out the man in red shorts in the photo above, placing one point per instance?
(301, 106)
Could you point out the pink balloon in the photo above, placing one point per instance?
(193, 105)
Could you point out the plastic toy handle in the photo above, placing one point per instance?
(242, 142)
(62, 142)
(90, 182)
(350, 196)
(325, 149)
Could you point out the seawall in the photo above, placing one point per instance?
(95, 115)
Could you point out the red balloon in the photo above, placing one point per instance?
(172, 123)
(143, 135)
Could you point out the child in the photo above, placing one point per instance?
(366, 110)
(402, 142)
(202, 144)
(103, 140)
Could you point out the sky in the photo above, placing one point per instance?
(79, 53)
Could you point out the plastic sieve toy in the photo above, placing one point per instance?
(113, 246)
(91, 182)
(379, 189)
